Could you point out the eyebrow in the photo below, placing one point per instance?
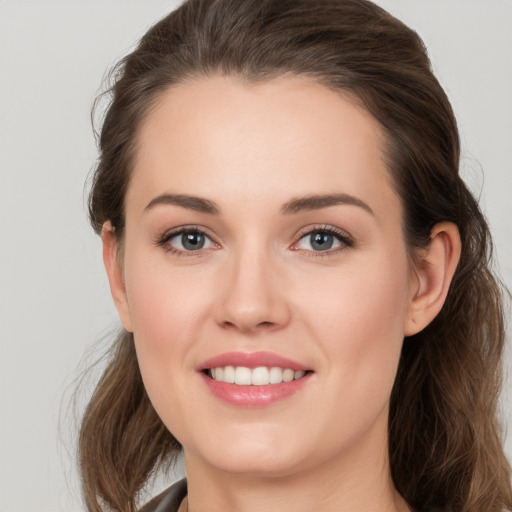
(316, 202)
(195, 203)
(307, 203)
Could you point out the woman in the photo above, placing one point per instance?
(301, 274)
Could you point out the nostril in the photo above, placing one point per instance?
(248, 326)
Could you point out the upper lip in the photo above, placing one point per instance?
(251, 360)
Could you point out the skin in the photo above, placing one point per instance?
(258, 284)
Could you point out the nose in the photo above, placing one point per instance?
(252, 295)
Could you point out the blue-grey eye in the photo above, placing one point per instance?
(188, 241)
(192, 241)
(322, 240)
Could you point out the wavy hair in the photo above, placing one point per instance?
(444, 438)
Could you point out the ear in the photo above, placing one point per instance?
(114, 270)
(434, 270)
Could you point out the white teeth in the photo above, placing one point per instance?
(260, 376)
(276, 375)
(288, 375)
(229, 374)
(242, 376)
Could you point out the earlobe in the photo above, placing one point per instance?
(115, 274)
(434, 270)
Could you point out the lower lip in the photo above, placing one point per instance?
(254, 396)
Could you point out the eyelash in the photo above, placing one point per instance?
(344, 238)
(169, 235)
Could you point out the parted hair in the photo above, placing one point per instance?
(445, 445)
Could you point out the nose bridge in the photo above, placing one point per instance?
(252, 298)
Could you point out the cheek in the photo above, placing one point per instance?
(163, 302)
(359, 320)
(167, 311)
(358, 325)
(168, 317)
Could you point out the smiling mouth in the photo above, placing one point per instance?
(259, 376)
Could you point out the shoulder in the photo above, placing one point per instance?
(169, 500)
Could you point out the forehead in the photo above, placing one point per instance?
(220, 138)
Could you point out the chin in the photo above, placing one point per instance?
(264, 467)
(256, 458)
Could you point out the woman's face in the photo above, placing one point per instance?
(263, 231)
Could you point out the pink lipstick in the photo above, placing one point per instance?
(251, 360)
(253, 379)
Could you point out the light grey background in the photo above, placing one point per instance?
(54, 299)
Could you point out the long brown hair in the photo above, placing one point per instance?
(444, 439)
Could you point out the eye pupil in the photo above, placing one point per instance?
(192, 241)
(321, 241)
